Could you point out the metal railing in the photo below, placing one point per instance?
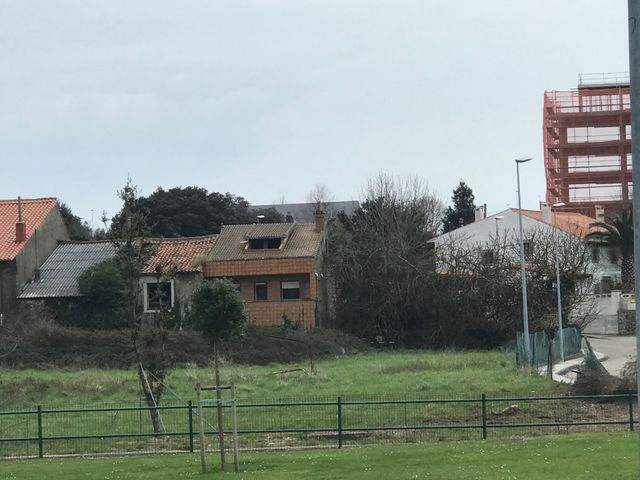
(322, 423)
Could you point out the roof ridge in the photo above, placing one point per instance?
(182, 239)
(15, 200)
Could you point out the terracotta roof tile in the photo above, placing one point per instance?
(179, 253)
(268, 230)
(573, 223)
(34, 212)
(302, 241)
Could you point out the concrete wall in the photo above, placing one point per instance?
(607, 312)
(7, 289)
(184, 284)
(41, 244)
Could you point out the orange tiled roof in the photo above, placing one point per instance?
(302, 241)
(573, 223)
(179, 253)
(34, 211)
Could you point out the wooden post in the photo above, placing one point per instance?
(199, 398)
(234, 415)
(219, 405)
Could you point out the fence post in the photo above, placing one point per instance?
(339, 422)
(630, 401)
(190, 407)
(484, 416)
(40, 439)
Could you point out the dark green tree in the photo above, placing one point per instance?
(102, 302)
(217, 310)
(192, 211)
(78, 229)
(149, 332)
(617, 234)
(463, 210)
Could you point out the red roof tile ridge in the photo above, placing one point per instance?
(29, 200)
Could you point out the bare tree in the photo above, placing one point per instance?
(319, 196)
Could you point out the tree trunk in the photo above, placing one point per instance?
(152, 401)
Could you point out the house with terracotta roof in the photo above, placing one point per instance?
(167, 281)
(484, 230)
(29, 231)
(278, 269)
(174, 272)
(607, 305)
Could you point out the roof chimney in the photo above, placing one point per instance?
(319, 218)
(545, 210)
(600, 214)
(21, 227)
(480, 213)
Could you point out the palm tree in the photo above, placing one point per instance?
(617, 233)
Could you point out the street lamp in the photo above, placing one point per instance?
(499, 217)
(523, 277)
(555, 233)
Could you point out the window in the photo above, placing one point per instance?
(488, 257)
(528, 250)
(158, 296)
(290, 290)
(264, 243)
(260, 291)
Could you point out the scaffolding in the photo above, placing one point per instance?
(587, 145)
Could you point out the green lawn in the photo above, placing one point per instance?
(397, 374)
(574, 457)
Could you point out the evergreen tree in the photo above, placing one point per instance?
(463, 210)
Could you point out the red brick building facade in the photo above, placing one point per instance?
(278, 268)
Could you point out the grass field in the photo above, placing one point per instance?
(575, 457)
(399, 374)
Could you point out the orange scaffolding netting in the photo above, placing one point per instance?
(587, 147)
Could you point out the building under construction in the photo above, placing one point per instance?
(587, 145)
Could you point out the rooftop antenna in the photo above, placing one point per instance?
(19, 209)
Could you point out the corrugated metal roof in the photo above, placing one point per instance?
(303, 212)
(302, 241)
(59, 273)
(34, 211)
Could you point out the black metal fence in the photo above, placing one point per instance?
(337, 422)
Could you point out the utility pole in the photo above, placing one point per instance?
(634, 77)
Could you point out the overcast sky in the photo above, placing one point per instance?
(266, 98)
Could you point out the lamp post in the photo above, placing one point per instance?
(523, 277)
(555, 234)
(499, 217)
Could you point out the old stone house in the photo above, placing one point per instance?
(30, 230)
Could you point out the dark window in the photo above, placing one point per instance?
(528, 250)
(488, 257)
(261, 291)
(264, 243)
(290, 290)
(158, 296)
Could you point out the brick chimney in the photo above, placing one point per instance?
(319, 218)
(600, 214)
(21, 227)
